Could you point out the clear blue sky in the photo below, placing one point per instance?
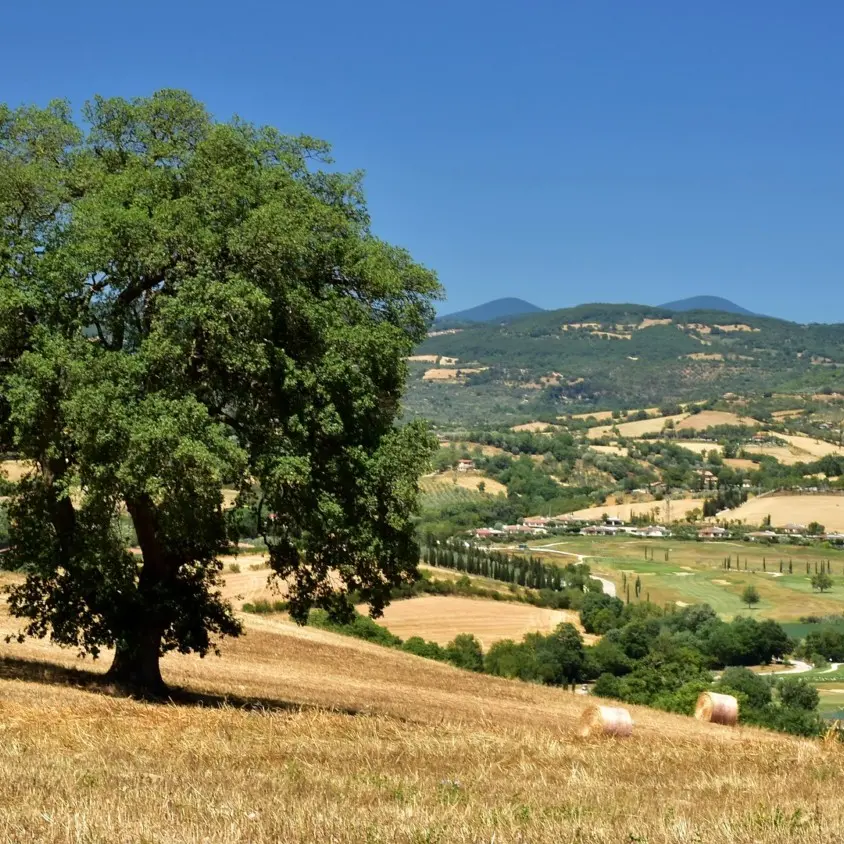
(564, 152)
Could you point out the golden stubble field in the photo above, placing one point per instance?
(442, 617)
(300, 736)
(828, 510)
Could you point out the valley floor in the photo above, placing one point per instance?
(299, 735)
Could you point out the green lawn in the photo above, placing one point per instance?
(694, 571)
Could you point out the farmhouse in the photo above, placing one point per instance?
(792, 528)
(487, 533)
(524, 529)
(713, 532)
(465, 465)
(599, 530)
(762, 534)
(655, 532)
(535, 521)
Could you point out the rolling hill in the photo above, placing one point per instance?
(496, 309)
(707, 303)
(299, 735)
(615, 355)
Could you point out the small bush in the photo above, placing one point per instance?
(265, 607)
(234, 568)
(418, 646)
(361, 627)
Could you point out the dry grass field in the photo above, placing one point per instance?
(440, 618)
(302, 736)
(699, 447)
(464, 480)
(534, 427)
(13, 470)
(817, 448)
(740, 463)
(635, 429)
(679, 509)
(796, 509)
(709, 418)
(610, 449)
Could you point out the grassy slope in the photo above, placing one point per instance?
(693, 567)
(353, 742)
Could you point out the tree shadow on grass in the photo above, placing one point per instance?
(48, 673)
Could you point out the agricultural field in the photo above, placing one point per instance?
(444, 483)
(710, 418)
(533, 427)
(828, 510)
(300, 735)
(13, 470)
(679, 508)
(440, 618)
(635, 429)
(694, 573)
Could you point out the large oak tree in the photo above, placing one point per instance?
(185, 304)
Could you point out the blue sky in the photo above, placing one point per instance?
(564, 152)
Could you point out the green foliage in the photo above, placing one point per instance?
(429, 650)
(262, 606)
(556, 659)
(360, 627)
(187, 304)
(821, 581)
(465, 651)
(750, 596)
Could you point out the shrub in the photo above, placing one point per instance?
(361, 627)
(264, 607)
(465, 651)
(429, 650)
(234, 568)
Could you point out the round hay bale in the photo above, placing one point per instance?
(717, 709)
(605, 721)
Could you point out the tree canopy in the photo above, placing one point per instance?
(187, 304)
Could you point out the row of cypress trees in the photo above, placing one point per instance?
(530, 572)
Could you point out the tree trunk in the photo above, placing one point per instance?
(136, 665)
(136, 659)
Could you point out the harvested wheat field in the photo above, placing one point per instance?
(793, 509)
(635, 429)
(609, 449)
(679, 509)
(440, 618)
(14, 470)
(301, 736)
(709, 418)
(741, 463)
(533, 427)
(788, 455)
(816, 448)
(440, 375)
(462, 480)
(699, 447)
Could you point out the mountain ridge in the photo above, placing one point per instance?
(505, 308)
(707, 303)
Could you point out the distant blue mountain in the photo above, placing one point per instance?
(489, 311)
(707, 303)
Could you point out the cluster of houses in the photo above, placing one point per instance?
(540, 525)
(611, 526)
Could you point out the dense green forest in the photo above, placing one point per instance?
(618, 356)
